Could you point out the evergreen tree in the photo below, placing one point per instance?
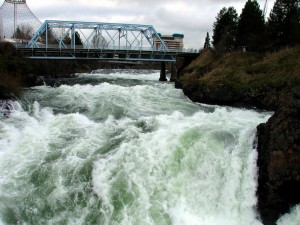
(78, 39)
(207, 41)
(284, 22)
(225, 29)
(17, 34)
(67, 39)
(251, 27)
(51, 37)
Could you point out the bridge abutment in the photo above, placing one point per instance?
(173, 72)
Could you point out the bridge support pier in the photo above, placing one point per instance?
(163, 72)
(173, 72)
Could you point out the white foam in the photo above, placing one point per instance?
(291, 218)
(125, 74)
(201, 179)
(155, 157)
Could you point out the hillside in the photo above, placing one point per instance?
(241, 78)
(269, 81)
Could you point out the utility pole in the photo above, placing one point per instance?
(265, 8)
(15, 19)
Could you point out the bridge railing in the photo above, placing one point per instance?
(185, 50)
(82, 47)
(95, 47)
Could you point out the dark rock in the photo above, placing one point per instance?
(32, 80)
(279, 161)
(226, 94)
(6, 93)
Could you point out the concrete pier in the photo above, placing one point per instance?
(163, 72)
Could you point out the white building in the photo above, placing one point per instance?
(173, 42)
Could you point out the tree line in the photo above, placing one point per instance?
(251, 32)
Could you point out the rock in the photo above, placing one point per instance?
(6, 93)
(32, 80)
(225, 94)
(279, 161)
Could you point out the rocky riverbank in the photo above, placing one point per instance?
(266, 81)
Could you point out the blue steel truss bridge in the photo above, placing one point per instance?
(97, 41)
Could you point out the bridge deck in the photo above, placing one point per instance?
(98, 54)
(102, 54)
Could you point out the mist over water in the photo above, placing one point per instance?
(119, 147)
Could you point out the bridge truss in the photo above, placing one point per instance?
(101, 41)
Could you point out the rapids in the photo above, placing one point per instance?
(120, 148)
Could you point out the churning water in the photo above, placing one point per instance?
(120, 148)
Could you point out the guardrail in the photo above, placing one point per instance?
(95, 47)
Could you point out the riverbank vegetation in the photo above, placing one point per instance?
(248, 56)
(246, 73)
(250, 32)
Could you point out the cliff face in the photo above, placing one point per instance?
(279, 159)
(264, 81)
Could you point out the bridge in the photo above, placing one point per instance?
(101, 41)
(74, 40)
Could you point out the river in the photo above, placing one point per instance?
(120, 148)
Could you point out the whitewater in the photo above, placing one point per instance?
(117, 147)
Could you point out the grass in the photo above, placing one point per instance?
(243, 69)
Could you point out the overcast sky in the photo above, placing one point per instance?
(193, 18)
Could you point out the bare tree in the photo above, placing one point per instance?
(99, 41)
